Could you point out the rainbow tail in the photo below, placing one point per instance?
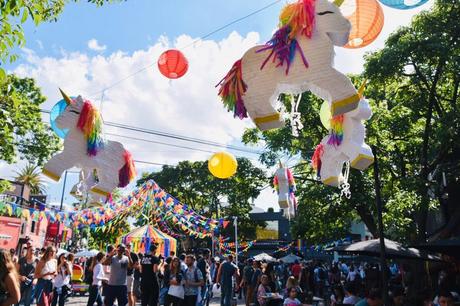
(128, 172)
(232, 89)
(316, 159)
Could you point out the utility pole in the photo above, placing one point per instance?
(60, 208)
(378, 202)
(235, 223)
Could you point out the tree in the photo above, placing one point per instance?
(414, 91)
(14, 13)
(416, 80)
(30, 176)
(192, 184)
(22, 132)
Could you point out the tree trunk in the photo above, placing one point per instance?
(368, 219)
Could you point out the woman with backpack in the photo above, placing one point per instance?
(176, 291)
(62, 281)
(45, 272)
(97, 273)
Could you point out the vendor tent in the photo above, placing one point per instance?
(393, 250)
(291, 258)
(87, 253)
(141, 238)
(264, 257)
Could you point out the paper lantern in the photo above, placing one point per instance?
(325, 115)
(366, 17)
(85, 148)
(172, 64)
(222, 165)
(403, 4)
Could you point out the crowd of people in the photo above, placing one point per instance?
(124, 277)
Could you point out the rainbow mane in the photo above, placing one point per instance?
(300, 17)
(90, 124)
(336, 135)
(296, 18)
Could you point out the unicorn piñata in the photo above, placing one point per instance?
(298, 58)
(344, 143)
(284, 184)
(105, 164)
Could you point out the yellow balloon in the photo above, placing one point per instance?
(222, 165)
(325, 115)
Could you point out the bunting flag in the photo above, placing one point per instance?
(172, 217)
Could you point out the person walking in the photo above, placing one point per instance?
(45, 272)
(203, 265)
(193, 281)
(119, 262)
(130, 277)
(176, 280)
(248, 272)
(26, 267)
(9, 286)
(150, 287)
(225, 275)
(96, 284)
(62, 281)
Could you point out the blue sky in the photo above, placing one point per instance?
(135, 24)
(89, 48)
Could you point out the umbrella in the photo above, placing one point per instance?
(291, 258)
(393, 250)
(141, 238)
(61, 251)
(264, 257)
(449, 247)
(87, 253)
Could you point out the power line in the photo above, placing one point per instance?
(193, 42)
(174, 136)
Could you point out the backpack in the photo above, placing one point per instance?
(204, 268)
(195, 274)
(322, 274)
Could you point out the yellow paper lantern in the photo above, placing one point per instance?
(325, 115)
(222, 165)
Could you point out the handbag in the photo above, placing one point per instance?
(177, 291)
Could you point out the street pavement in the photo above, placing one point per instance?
(82, 300)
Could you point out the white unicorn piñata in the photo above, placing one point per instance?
(284, 184)
(105, 164)
(299, 57)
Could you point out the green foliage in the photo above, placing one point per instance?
(30, 176)
(14, 13)
(4, 186)
(192, 184)
(414, 91)
(22, 132)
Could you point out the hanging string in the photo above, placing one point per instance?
(345, 186)
(296, 123)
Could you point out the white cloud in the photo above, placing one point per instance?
(188, 106)
(94, 45)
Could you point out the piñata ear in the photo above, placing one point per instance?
(66, 97)
(338, 2)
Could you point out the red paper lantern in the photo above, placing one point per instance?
(172, 64)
